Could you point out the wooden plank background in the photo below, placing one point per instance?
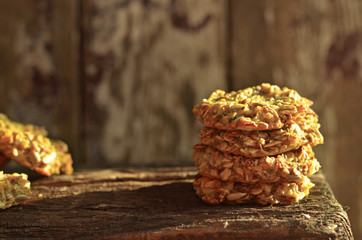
(39, 66)
(117, 79)
(146, 63)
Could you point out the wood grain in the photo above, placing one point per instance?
(161, 204)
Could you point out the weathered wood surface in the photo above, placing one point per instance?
(161, 204)
(146, 64)
(314, 47)
(39, 66)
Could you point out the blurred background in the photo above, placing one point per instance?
(117, 79)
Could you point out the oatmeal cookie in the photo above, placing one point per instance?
(5, 122)
(27, 145)
(262, 107)
(292, 165)
(255, 144)
(14, 189)
(214, 191)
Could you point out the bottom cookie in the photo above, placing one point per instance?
(214, 191)
(14, 189)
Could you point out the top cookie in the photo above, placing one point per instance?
(262, 107)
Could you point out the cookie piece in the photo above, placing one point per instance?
(14, 189)
(262, 107)
(5, 122)
(214, 191)
(291, 166)
(27, 145)
(255, 144)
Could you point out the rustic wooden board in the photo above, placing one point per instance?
(161, 204)
(314, 47)
(146, 64)
(39, 66)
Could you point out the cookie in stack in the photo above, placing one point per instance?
(256, 146)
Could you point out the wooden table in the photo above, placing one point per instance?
(161, 204)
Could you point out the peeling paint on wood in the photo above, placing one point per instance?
(153, 52)
(342, 56)
(40, 83)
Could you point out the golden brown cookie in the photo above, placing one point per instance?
(214, 191)
(27, 145)
(255, 144)
(262, 107)
(14, 189)
(5, 122)
(292, 165)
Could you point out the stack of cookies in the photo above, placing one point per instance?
(256, 146)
